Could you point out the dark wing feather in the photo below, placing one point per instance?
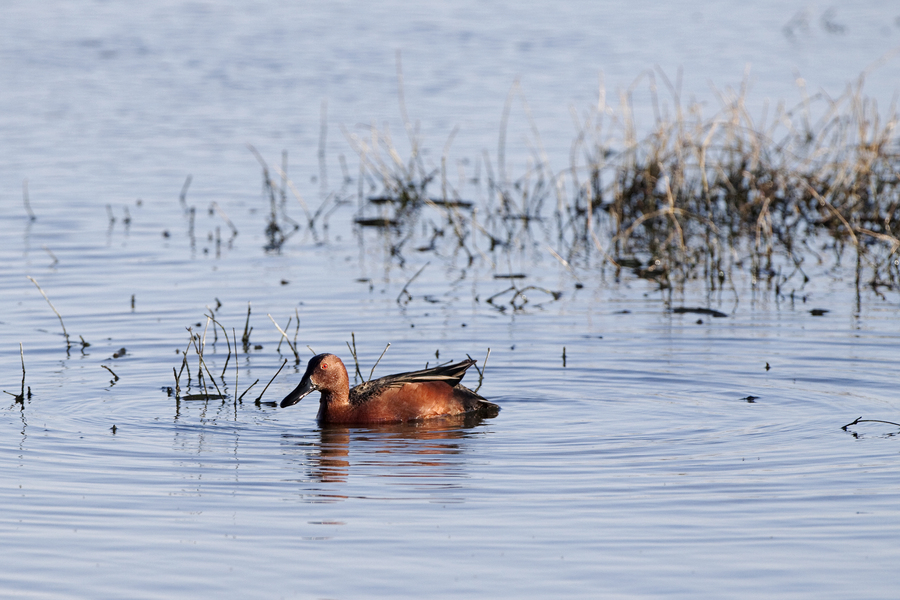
(451, 374)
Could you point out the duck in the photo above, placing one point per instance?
(402, 397)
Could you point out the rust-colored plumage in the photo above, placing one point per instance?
(412, 396)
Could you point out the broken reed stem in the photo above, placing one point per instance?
(282, 338)
(182, 197)
(211, 378)
(177, 385)
(836, 213)
(271, 380)
(184, 364)
(481, 370)
(116, 376)
(241, 397)
(22, 356)
(50, 252)
(411, 279)
(205, 329)
(234, 335)
(861, 420)
(31, 216)
(353, 353)
(227, 344)
(228, 222)
(20, 397)
(377, 361)
(285, 338)
(246, 337)
(310, 218)
(59, 316)
(202, 362)
(200, 379)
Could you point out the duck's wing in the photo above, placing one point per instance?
(451, 374)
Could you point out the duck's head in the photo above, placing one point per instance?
(324, 372)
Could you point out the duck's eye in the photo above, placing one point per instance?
(323, 366)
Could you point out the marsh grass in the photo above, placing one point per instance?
(701, 196)
(693, 197)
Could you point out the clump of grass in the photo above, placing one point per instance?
(704, 194)
(697, 196)
(279, 226)
(700, 196)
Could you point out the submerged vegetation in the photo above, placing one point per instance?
(697, 197)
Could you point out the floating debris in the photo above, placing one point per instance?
(701, 311)
(204, 397)
(861, 420)
(377, 222)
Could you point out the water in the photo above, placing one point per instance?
(637, 468)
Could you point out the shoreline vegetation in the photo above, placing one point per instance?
(696, 198)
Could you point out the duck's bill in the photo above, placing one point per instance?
(306, 387)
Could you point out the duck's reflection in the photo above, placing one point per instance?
(420, 455)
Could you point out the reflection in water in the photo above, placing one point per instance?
(408, 452)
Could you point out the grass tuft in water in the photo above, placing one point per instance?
(695, 197)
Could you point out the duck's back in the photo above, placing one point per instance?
(413, 396)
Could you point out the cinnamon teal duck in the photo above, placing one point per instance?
(413, 396)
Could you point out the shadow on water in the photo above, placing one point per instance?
(410, 452)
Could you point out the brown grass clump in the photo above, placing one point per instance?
(696, 197)
(701, 195)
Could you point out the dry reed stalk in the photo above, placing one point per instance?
(227, 343)
(26, 201)
(22, 357)
(50, 252)
(198, 348)
(116, 377)
(184, 364)
(218, 209)
(480, 371)
(404, 291)
(20, 397)
(284, 336)
(372, 372)
(352, 349)
(246, 337)
(270, 381)
(281, 339)
(177, 386)
(59, 316)
(247, 390)
(182, 197)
